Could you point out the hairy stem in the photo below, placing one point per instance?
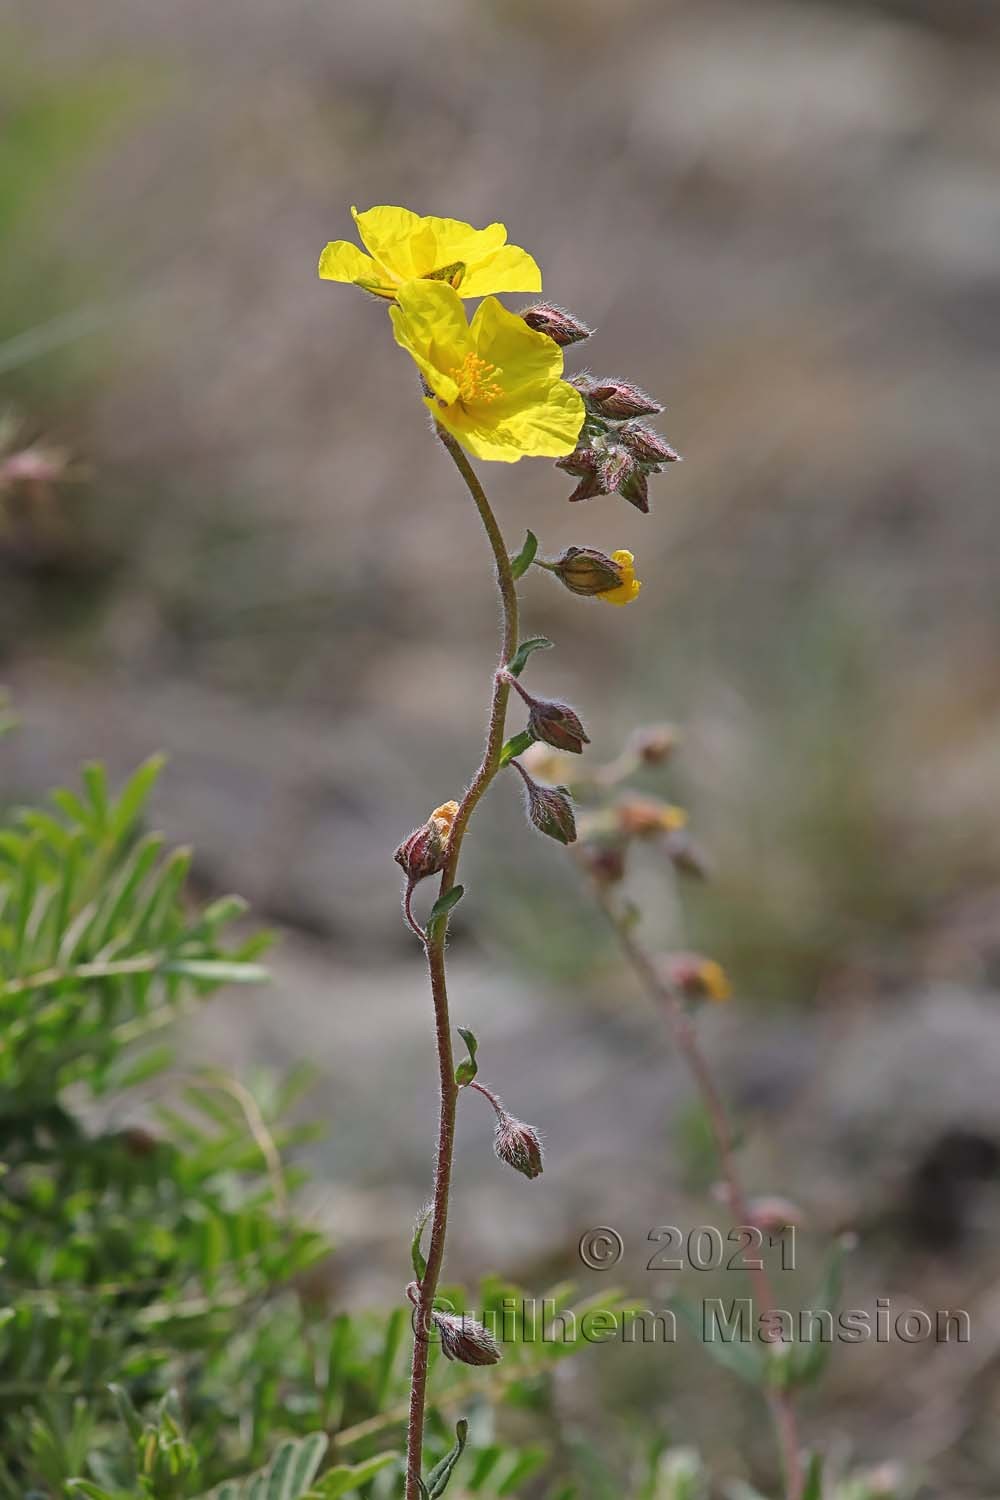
(435, 949)
(685, 1039)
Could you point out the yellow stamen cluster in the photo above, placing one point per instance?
(474, 378)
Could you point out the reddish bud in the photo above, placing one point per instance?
(519, 1145)
(616, 466)
(697, 977)
(466, 1340)
(655, 745)
(425, 851)
(618, 399)
(560, 326)
(557, 725)
(644, 817)
(647, 446)
(549, 808)
(581, 462)
(605, 862)
(587, 489)
(687, 857)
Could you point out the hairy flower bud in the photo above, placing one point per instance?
(697, 977)
(618, 399)
(647, 446)
(635, 489)
(588, 488)
(557, 725)
(617, 465)
(561, 326)
(466, 1340)
(584, 570)
(581, 462)
(426, 849)
(519, 1145)
(655, 745)
(550, 808)
(644, 817)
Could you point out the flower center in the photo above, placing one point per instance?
(474, 378)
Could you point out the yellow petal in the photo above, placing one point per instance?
(342, 261)
(546, 427)
(510, 269)
(530, 361)
(454, 240)
(629, 587)
(398, 239)
(429, 323)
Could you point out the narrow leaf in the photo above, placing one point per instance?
(519, 660)
(441, 908)
(520, 564)
(516, 746)
(468, 1068)
(437, 1479)
(416, 1253)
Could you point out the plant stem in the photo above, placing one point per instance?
(435, 949)
(685, 1039)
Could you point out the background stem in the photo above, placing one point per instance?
(435, 950)
(685, 1039)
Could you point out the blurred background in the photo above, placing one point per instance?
(784, 220)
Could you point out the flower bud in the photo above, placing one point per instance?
(581, 462)
(466, 1340)
(426, 849)
(643, 817)
(561, 326)
(588, 488)
(618, 399)
(635, 489)
(584, 570)
(655, 745)
(697, 977)
(616, 466)
(647, 446)
(687, 857)
(519, 1145)
(557, 725)
(605, 862)
(550, 808)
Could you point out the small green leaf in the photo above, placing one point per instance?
(216, 971)
(344, 1478)
(519, 660)
(516, 746)
(520, 564)
(437, 1479)
(468, 1068)
(416, 1253)
(441, 908)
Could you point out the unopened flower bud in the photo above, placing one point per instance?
(617, 465)
(644, 817)
(466, 1340)
(561, 326)
(697, 977)
(618, 399)
(426, 849)
(686, 856)
(588, 488)
(550, 808)
(586, 571)
(581, 462)
(605, 862)
(655, 745)
(519, 1145)
(646, 444)
(635, 489)
(557, 725)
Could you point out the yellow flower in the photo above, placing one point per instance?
(496, 385)
(629, 587)
(405, 247)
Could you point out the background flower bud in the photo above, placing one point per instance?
(644, 817)
(655, 745)
(605, 862)
(584, 570)
(519, 1145)
(556, 724)
(697, 977)
(686, 856)
(466, 1340)
(561, 326)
